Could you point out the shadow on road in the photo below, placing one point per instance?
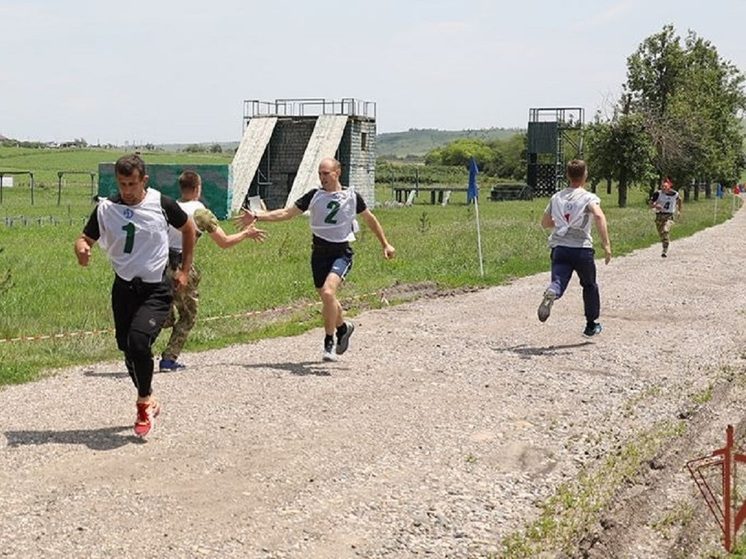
(304, 368)
(109, 374)
(125, 374)
(527, 352)
(107, 438)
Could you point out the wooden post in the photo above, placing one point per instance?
(59, 187)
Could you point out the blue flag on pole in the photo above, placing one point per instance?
(472, 193)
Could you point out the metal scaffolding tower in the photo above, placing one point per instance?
(555, 135)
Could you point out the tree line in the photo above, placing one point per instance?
(679, 115)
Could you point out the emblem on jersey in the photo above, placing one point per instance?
(128, 213)
(569, 207)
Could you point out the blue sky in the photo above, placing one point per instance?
(178, 71)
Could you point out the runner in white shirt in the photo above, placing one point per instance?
(332, 211)
(569, 214)
(132, 227)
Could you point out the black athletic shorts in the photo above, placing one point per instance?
(325, 262)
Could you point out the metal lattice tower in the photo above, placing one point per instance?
(555, 135)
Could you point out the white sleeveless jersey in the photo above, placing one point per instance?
(667, 200)
(135, 237)
(174, 235)
(333, 215)
(569, 209)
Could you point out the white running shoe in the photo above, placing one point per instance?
(328, 354)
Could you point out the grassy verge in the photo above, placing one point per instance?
(576, 505)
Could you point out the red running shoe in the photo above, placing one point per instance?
(146, 414)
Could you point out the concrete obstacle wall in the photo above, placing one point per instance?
(245, 163)
(324, 142)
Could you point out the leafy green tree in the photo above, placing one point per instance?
(434, 157)
(459, 153)
(216, 148)
(689, 100)
(655, 71)
(714, 89)
(503, 158)
(620, 149)
(510, 157)
(598, 153)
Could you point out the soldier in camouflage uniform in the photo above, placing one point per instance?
(184, 309)
(666, 202)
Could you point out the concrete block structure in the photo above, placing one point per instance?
(284, 141)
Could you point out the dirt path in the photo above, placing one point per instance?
(440, 433)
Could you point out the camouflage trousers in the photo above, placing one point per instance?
(663, 223)
(183, 313)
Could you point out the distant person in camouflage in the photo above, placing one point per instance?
(667, 203)
(184, 309)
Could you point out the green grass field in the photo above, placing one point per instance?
(52, 295)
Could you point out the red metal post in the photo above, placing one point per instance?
(730, 517)
(727, 484)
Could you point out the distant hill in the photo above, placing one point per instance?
(418, 141)
(225, 146)
(415, 142)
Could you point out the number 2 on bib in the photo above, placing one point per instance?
(333, 208)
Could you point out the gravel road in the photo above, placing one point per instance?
(440, 433)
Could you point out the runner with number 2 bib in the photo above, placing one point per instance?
(332, 211)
